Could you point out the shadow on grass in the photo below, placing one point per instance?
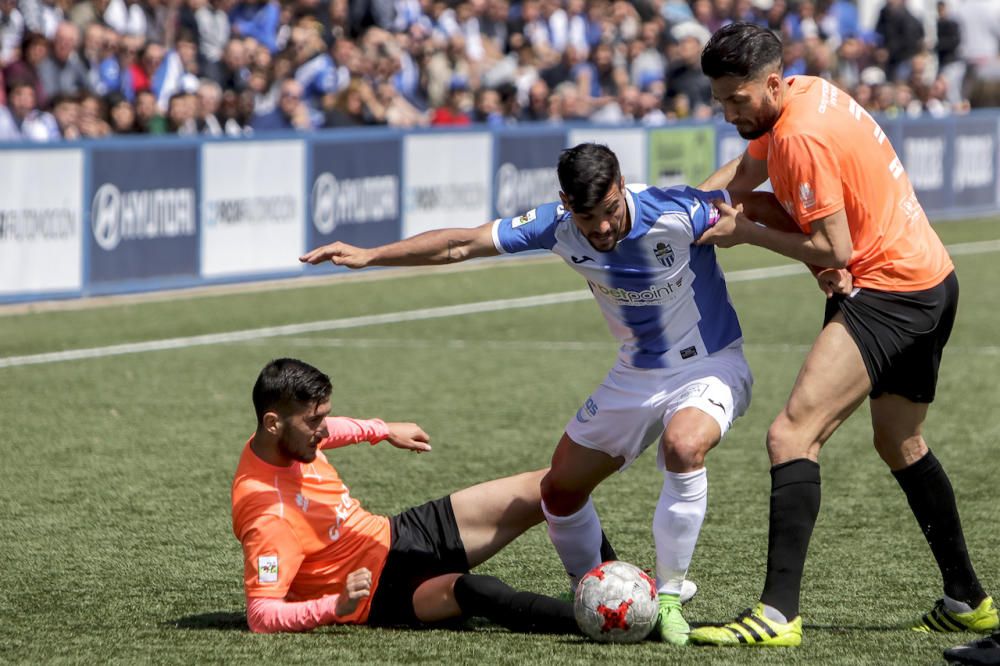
(216, 620)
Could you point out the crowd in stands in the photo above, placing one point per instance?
(93, 68)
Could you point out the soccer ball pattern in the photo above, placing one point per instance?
(616, 602)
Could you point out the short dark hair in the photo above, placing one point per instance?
(586, 173)
(285, 382)
(742, 50)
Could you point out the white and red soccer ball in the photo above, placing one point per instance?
(616, 602)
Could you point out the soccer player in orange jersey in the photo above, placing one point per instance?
(313, 556)
(892, 294)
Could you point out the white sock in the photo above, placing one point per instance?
(774, 615)
(956, 606)
(577, 540)
(676, 525)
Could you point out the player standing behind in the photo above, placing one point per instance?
(680, 376)
(889, 316)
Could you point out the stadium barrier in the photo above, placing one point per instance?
(138, 214)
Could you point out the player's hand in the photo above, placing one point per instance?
(341, 254)
(729, 230)
(408, 436)
(835, 281)
(357, 587)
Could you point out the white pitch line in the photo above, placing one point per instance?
(392, 317)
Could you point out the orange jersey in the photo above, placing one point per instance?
(302, 532)
(826, 153)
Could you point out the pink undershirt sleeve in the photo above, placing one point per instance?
(267, 616)
(344, 431)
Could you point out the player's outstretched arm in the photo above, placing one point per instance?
(441, 246)
(408, 436)
(764, 208)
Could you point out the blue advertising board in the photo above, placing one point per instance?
(926, 150)
(142, 213)
(974, 172)
(354, 191)
(525, 170)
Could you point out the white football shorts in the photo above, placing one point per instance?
(632, 406)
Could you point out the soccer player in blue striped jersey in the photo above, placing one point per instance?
(680, 378)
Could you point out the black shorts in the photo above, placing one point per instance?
(900, 335)
(424, 543)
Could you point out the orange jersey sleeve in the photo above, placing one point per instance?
(272, 555)
(825, 154)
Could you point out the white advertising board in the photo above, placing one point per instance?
(446, 181)
(252, 207)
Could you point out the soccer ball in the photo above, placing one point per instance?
(616, 602)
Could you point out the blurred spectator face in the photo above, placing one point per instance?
(703, 12)
(128, 50)
(145, 106)
(93, 40)
(291, 97)
(65, 41)
(863, 94)
(181, 110)
(67, 113)
(36, 50)
(488, 102)
(21, 100)
(90, 111)
(234, 56)
(628, 102)
(538, 95)
(209, 99)
(230, 107)
(187, 50)
(603, 56)
(122, 117)
(689, 50)
(498, 10)
(152, 58)
(259, 81)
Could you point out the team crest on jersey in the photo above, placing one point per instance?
(806, 195)
(664, 254)
(524, 219)
(267, 569)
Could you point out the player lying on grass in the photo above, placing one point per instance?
(313, 556)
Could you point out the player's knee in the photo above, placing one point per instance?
(684, 452)
(560, 499)
(784, 442)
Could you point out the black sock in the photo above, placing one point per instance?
(795, 494)
(608, 553)
(932, 501)
(489, 597)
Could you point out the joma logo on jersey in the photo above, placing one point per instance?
(664, 254)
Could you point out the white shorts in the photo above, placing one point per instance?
(632, 406)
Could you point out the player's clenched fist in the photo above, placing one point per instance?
(357, 587)
(341, 254)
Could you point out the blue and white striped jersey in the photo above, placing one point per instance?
(664, 298)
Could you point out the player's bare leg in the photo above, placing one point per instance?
(492, 514)
(573, 525)
(689, 436)
(897, 424)
(832, 383)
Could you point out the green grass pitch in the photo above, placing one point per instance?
(114, 519)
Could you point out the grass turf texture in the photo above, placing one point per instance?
(115, 512)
